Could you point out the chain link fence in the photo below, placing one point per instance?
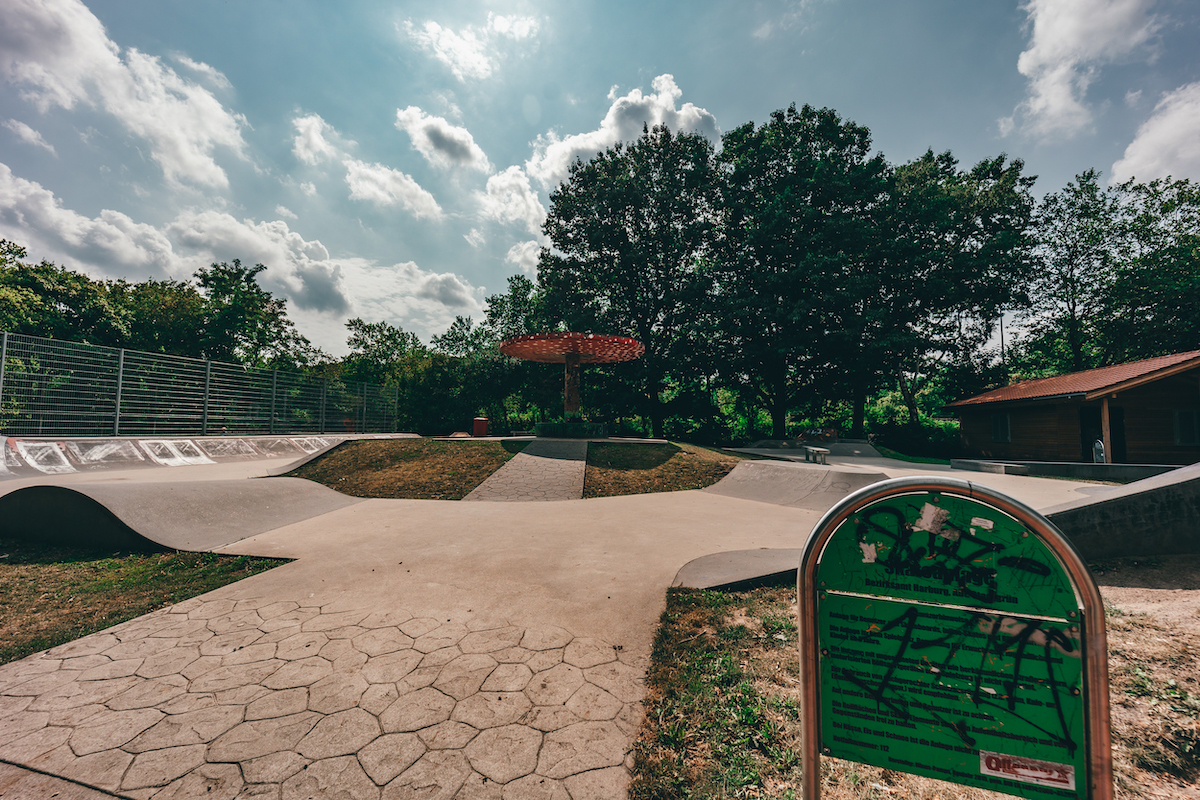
(50, 387)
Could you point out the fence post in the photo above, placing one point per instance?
(274, 386)
(3, 362)
(207, 383)
(364, 406)
(395, 407)
(324, 391)
(117, 405)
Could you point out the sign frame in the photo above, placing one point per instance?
(1095, 646)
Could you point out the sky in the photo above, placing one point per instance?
(394, 160)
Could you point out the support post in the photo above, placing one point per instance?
(120, 381)
(324, 392)
(274, 387)
(1106, 430)
(571, 372)
(207, 384)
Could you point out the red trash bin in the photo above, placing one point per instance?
(480, 428)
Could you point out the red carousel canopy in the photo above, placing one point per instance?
(553, 348)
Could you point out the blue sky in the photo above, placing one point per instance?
(393, 160)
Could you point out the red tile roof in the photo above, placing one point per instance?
(1090, 383)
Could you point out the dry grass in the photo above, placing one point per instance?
(415, 469)
(723, 697)
(621, 469)
(49, 596)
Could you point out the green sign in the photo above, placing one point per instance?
(951, 645)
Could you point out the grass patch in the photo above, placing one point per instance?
(723, 699)
(887, 452)
(414, 469)
(52, 595)
(621, 469)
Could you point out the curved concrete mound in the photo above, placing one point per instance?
(787, 484)
(153, 516)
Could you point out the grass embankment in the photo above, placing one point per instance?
(51, 595)
(723, 709)
(887, 452)
(621, 469)
(414, 469)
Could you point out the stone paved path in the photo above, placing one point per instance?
(548, 469)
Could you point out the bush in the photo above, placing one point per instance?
(938, 439)
(572, 430)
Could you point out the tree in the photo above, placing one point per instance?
(379, 352)
(162, 316)
(630, 229)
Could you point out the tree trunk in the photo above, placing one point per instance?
(908, 391)
(860, 409)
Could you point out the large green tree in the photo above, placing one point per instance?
(631, 230)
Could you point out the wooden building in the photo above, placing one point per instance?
(1145, 412)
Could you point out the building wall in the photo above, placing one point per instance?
(1038, 433)
(1150, 419)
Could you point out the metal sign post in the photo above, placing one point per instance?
(950, 631)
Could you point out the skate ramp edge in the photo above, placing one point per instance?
(816, 488)
(197, 516)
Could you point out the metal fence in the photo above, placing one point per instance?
(50, 387)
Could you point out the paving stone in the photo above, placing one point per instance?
(261, 651)
(622, 681)
(304, 672)
(447, 735)
(275, 609)
(81, 693)
(146, 694)
(273, 768)
(464, 675)
(102, 770)
(546, 638)
(73, 717)
(160, 767)
(28, 748)
(348, 632)
(592, 702)
(24, 722)
(192, 631)
(419, 678)
(342, 654)
(329, 622)
(200, 666)
(512, 655)
(437, 775)
(240, 695)
(550, 718)
(581, 747)
(189, 702)
(192, 727)
(223, 678)
(491, 709)
(112, 729)
(291, 619)
(390, 754)
(478, 787)
(301, 645)
(391, 667)
(534, 787)
(148, 626)
(88, 645)
(262, 737)
(338, 692)
(490, 641)
(441, 656)
(211, 609)
(339, 734)
(210, 781)
(12, 705)
(38, 685)
(508, 678)
(382, 640)
(82, 663)
(378, 697)
(236, 621)
(281, 703)
(226, 643)
(505, 754)
(139, 648)
(451, 633)
(342, 778)
(417, 710)
(584, 653)
(544, 660)
(261, 791)
(389, 618)
(629, 720)
(554, 686)
(599, 784)
(168, 662)
(419, 627)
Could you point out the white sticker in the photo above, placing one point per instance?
(980, 522)
(1027, 770)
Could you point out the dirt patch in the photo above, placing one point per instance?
(49, 596)
(414, 469)
(620, 469)
(723, 696)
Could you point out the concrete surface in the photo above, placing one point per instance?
(740, 570)
(547, 469)
(812, 486)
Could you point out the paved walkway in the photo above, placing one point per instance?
(548, 469)
(413, 649)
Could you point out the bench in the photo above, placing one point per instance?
(816, 454)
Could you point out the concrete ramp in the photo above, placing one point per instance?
(197, 516)
(1153, 516)
(815, 487)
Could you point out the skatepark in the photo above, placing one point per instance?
(418, 648)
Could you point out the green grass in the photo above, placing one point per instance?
(887, 452)
(52, 595)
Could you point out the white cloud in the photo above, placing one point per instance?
(309, 188)
(59, 54)
(794, 15)
(419, 300)
(284, 211)
(28, 135)
(1070, 40)
(384, 186)
(1166, 143)
(311, 144)
(510, 198)
(553, 155)
(441, 143)
(471, 53)
(475, 238)
(209, 73)
(525, 256)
